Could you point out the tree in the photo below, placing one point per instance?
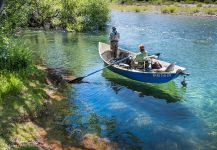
(1, 5)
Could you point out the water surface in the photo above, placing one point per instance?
(137, 115)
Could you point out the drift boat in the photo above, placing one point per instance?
(152, 76)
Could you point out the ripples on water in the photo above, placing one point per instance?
(138, 115)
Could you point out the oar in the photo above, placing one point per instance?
(158, 54)
(79, 79)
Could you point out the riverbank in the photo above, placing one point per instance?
(175, 8)
(33, 104)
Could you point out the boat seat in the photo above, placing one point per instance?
(123, 65)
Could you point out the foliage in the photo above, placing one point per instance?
(27, 148)
(193, 10)
(14, 14)
(210, 11)
(137, 9)
(166, 2)
(199, 5)
(44, 13)
(168, 9)
(91, 14)
(3, 144)
(78, 15)
(130, 7)
(13, 54)
(19, 97)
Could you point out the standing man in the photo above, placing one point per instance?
(114, 38)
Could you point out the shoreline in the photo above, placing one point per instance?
(202, 10)
(42, 127)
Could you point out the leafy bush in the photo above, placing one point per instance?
(136, 9)
(189, 2)
(193, 10)
(199, 5)
(168, 9)
(91, 14)
(13, 55)
(208, 1)
(157, 2)
(68, 14)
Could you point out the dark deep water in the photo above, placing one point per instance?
(133, 114)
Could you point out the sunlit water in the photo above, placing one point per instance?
(133, 114)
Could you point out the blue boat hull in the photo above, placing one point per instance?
(148, 77)
(157, 78)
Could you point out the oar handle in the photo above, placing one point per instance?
(107, 66)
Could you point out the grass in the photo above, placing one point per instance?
(13, 54)
(133, 8)
(211, 10)
(190, 10)
(22, 101)
(21, 96)
(166, 8)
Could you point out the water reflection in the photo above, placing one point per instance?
(169, 91)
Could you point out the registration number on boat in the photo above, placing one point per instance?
(161, 75)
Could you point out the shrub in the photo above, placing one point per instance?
(211, 11)
(136, 9)
(157, 2)
(164, 9)
(172, 9)
(83, 14)
(168, 9)
(145, 9)
(193, 10)
(91, 15)
(168, 2)
(199, 5)
(189, 2)
(208, 1)
(13, 55)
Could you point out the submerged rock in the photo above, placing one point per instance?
(92, 141)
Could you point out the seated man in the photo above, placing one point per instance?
(138, 61)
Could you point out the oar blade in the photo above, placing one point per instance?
(76, 80)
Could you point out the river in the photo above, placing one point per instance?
(137, 115)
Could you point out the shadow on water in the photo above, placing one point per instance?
(169, 91)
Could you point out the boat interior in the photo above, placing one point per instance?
(106, 54)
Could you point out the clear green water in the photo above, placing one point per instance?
(133, 114)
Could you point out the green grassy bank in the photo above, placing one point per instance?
(21, 98)
(173, 8)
